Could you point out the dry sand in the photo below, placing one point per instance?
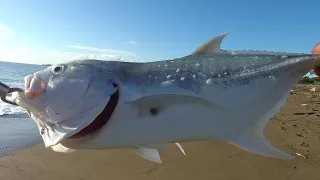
(296, 129)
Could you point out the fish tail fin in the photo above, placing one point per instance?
(253, 140)
(256, 143)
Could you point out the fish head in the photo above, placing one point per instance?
(64, 99)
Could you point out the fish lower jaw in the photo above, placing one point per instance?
(101, 119)
(89, 122)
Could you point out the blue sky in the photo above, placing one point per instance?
(57, 31)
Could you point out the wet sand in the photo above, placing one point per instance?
(295, 129)
(17, 132)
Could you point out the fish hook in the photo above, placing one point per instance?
(4, 90)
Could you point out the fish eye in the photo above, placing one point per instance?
(57, 69)
(114, 85)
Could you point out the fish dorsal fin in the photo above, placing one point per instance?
(180, 147)
(148, 153)
(210, 47)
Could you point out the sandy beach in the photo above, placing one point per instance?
(295, 129)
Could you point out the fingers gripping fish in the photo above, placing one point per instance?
(211, 94)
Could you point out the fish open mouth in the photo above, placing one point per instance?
(101, 119)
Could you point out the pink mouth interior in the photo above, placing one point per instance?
(34, 86)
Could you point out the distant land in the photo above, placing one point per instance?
(46, 64)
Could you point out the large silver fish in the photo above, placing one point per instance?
(212, 94)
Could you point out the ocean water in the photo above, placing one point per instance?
(17, 130)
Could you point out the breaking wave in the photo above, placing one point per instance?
(13, 75)
(7, 109)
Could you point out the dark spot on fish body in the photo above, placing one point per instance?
(154, 111)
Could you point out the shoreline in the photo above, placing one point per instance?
(17, 133)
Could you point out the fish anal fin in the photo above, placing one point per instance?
(62, 149)
(150, 154)
(210, 47)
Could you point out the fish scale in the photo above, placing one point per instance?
(222, 65)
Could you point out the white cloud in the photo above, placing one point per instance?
(109, 51)
(67, 56)
(6, 33)
(16, 53)
(67, 42)
(70, 43)
(35, 56)
(102, 56)
(133, 42)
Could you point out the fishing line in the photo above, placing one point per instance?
(5, 90)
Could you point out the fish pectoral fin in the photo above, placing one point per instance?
(148, 153)
(210, 47)
(62, 149)
(144, 105)
(180, 147)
